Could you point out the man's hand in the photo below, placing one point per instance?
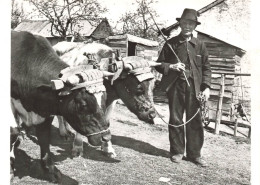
(178, 67)
(206, 93)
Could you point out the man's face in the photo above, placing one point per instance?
(187, 26)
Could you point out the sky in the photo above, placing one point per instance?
(168, 10)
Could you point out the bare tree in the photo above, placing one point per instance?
(139, 22)
(17, 13)
(64, 15)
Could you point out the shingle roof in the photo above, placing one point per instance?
(135, 39)
(43, 27)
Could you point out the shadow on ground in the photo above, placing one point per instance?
(138, 146)
(26, 166)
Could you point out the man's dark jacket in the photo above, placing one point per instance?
(198, 55)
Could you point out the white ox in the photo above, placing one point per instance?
(133, 86)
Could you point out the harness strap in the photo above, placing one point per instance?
(100, 132)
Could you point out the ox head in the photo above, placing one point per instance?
(82, 101)
(134, 82)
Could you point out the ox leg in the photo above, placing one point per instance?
(77, 147)
(63, 128)
(108, 149)
(107, 146)
(43, 133)
(14, 142)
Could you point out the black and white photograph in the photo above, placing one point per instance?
(130, 92)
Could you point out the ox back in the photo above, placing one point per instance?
(33, 65)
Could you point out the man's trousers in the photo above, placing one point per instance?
(182, 97)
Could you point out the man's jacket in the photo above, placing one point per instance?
(200, 66)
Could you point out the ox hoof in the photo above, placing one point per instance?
(77, 151)
(108, 150)
(55, 177)
(111, 155)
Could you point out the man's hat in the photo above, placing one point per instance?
(189, 14)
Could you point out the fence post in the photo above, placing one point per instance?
(219, 109)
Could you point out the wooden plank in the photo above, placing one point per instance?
(222, 64)
(229, 60)
(231, 69)
(229, 88)
(225, 94)
(116, 45)
(218, 80)
(216, 98)
(117, 40)
(143, 47)
(227, 56)
(219, 47)
(221, 71)
(217, 75)
(220, 53)
(122, 50)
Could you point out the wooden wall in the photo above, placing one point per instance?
(141, 50)
(223, 58)
(119, 44)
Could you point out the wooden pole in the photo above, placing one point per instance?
(219, 109)
(235, 128)
(249, 132)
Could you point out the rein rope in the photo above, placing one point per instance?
(202, 101)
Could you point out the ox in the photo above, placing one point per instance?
(132, 83)
(42, 85)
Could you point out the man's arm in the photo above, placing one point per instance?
(206, 72)
(165, 61)
(164, 68)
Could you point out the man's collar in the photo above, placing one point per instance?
(181, 39)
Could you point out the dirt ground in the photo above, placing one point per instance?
(142, 157)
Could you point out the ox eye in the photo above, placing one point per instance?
(140, 89)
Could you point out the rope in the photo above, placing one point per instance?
(181, 124)
(202, 101)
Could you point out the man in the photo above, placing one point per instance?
(193, 62)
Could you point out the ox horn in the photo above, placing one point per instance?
(73, 80)
(128, 67)
(106, 73)
(153, 64)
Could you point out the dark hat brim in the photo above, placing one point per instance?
(198, 23)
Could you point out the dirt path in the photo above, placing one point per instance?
(143, 158)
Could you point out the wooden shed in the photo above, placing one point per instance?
(130, 45)
(223, 58)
